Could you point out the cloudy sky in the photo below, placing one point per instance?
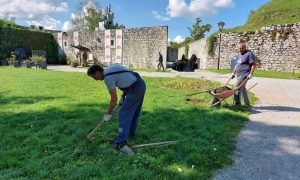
(177, 14)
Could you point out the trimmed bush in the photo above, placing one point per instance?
(11, 38)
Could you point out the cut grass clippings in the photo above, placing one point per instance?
(45, 116)
(264, 74)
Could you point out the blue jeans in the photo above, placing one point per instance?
(130, 110)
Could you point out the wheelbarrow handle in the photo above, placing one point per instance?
(228, 81)
(252, 86)
(242, 84)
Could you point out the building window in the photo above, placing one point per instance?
(112, 43)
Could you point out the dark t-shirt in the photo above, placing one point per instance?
(244, 63)
(160, 59)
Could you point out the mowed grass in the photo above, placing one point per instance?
(264, 73)
(45, 116)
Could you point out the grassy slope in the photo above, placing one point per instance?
(273, 13)
(263, 73)
(45, 115)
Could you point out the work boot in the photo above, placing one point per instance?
(126, 150)
(123, 149)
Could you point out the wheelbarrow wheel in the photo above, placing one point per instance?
(214, 102)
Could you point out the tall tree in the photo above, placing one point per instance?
(198, 31)
(87, 16)
(118, 26)
(8, 21)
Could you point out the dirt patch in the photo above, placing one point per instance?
(187, 84)
(196, 101)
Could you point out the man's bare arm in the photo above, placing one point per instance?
(253, 68)
(113, 101)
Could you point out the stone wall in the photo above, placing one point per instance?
(172, 54)
(181, 51)
(199, 48)
(140, 45)
(275, 47)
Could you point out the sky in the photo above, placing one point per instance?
(176, 14)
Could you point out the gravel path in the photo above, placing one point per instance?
(269, 145)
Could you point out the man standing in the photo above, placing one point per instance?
(133, 87)
(244, 69)
(160, 62)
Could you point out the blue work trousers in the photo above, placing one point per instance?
(130, 110)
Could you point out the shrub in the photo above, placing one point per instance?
(12, 38)
(73, 61)
(211, 43)
(38, 59)
(12, 57)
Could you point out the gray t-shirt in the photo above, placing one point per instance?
(121, 80)
(244, 63)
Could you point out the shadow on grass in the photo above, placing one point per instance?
(30, 142)
(22, 100)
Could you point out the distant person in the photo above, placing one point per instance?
(133, 87)
(193, 62)
(244, 69)
(182, 63)
(160, 62)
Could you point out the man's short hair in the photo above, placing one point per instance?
(242, 44)
(93, 69)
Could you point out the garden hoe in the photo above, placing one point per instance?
(88, 137)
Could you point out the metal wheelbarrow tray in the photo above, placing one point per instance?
(223, 92)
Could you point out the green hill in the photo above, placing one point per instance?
(273, 13)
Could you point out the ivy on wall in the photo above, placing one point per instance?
(186, 53)
(11, 38)
(211, 44)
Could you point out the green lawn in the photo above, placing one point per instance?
(45, 115)
(264, 73)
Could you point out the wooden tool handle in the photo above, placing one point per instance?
(153, 144)
(98, 126)
(228, 81)
(94, 130)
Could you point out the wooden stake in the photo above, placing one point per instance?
(153, 144)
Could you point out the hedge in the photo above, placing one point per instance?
(11, 38)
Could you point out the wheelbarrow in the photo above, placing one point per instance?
(223, 92)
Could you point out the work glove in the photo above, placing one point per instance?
(232, 76)
(106, 117)
(249, 76)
